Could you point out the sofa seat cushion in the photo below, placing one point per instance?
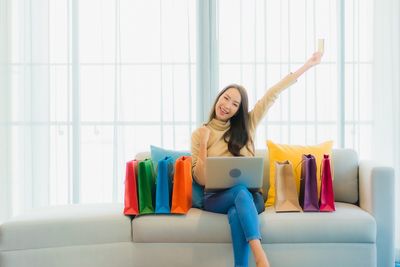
(69, 225)
(348, 224)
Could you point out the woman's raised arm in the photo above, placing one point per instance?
(315, 59)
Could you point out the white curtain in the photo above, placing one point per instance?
(4, 111)
(261, 42)
(84, 86)
(127, 67)
(386, 92)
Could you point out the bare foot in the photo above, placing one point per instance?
(262, 262)
(259, 255)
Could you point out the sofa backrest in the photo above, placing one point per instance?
(345, 173)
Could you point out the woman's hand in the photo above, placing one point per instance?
(199, 169)
(315, 59)
(204, 135)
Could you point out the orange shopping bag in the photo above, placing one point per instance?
(182, 189)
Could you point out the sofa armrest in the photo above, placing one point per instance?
(377, 196)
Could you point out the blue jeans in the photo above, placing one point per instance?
(242, 208)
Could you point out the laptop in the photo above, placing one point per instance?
(225, 172)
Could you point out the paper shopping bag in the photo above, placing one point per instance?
(327, 199)
(131, 200)
(308, 184)
(182, 189)
(286, 198)
(146, 185)
(165, 170)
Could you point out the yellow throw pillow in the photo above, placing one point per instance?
(293, 153)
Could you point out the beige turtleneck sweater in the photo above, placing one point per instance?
(217, 146)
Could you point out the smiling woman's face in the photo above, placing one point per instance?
(228, 104)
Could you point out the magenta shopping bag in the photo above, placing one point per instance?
(327, 199)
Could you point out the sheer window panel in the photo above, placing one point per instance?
(326, 91)
(30, 31)
(30, 166)
(193, 96)
(97, 85)
(229, 31)
(137, 138)
(310, 94)
(325, 25)
(260, 82)
(358, 137)
(327, 131)
(30, 93)
(228, 74)
(167, 93)
(349, 33)
(140, 93)
(325, 19)
(37, 32)
(259, 49)
(60, 94)
(178, 93)
(97, 34)
(58, 31)
(179, 89)
(261, 137)
(351, 103)
(249, 79)
(364, 33)
(296, 134)
(358, 102)
(278, 30)
(183, 136)
(17, 93)
(168, 136)
(96, 163)
(20, 183)
(299, 134)
(299, 47)
(139, 31)
(365, 91)
(358, 34)
(178, 28)
(247, 31)
(274, 32)
(299, 100)
(277, 132)
(351, 131)
(311, 134)
(60, 164)
(17, 38)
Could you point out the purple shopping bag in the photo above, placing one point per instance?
(308, 197)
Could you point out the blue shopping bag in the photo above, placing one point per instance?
(164, 185)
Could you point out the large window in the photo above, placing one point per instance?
(262, 41)
(95, 82)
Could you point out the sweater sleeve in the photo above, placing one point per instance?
(263, 104)
(195, 148)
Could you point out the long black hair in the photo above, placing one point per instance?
(238, 134)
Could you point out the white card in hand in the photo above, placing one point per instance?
(321, 45)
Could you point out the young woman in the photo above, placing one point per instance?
(230, 132)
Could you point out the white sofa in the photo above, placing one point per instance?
(358, 234)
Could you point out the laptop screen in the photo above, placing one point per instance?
(225, 172)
